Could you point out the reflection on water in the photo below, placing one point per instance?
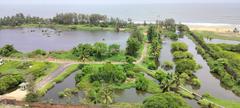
(29, 39)
(52, 94)
(166, 54)
(209, 84)
(128, 95)
(218, 41)
(131, 96)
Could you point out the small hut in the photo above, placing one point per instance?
(1, 62)
(23, 86)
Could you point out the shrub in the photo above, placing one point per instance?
(179, 46)
(7, 50)
(38, 52)
(186, 65)
(168, 65)
(165, 100)
(114, 49)
(130, 74)
(182, 55)
(10, 81)
(109, 73)
(141, 84)
(32, 97)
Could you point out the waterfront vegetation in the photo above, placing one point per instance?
(100, 81)
(185, 64)
(223, 64)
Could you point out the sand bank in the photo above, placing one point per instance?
(220, 28)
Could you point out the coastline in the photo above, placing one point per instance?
(213, 27)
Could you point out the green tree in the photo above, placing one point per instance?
(165, 100)
(7, 50)
(83, 51)
(106, 95)
(186, 65)
(109, 73)
(100, 49)
(133, 45)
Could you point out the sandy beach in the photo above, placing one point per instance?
(220, 28)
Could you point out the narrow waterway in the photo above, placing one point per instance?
(166, 54)
(52, 94)
(209, 84)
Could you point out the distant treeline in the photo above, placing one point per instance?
(64, 18)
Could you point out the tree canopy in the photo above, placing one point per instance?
(165, 100)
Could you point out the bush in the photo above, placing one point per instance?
(182, 55)
(186, 65)
(130, 74)
(10, 81)
(196, 82)
(114, 49)
(109, 73)
(179, 46)
(151, 65)
(38, 52)
(79, 76)
(168, 65)
(7, 50)
(171, 35)
(160, 76)
(165, 100)
(32, 97)
(141, 84)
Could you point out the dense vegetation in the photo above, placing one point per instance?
(8, 82)
(98, 51)
(185, 64)
(222, 63)
(7, 50)
(154, 38)
(134, 43)
(64, 18)
(165, 100)
(12, 73)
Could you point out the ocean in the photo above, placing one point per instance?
(183, 13)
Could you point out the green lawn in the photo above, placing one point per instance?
(39, 68)
(225, 103)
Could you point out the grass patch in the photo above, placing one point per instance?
(226, 36)
(225, 103)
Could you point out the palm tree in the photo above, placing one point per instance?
(106, 95)
(172, 81)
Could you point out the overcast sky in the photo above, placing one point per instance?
(112, 1)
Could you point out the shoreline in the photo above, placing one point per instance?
(213, 27)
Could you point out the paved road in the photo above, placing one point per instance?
(53, 75)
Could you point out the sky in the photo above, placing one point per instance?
(112, 1)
